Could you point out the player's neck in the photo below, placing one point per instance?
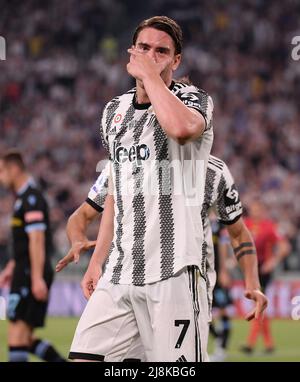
(20, 182)
(142, 96)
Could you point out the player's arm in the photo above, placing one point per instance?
(245, 253)
(79, 221)
(77, 226)
(179, 122)
(37, 262)
(7, 273)
(229, 211)
(223, 248)
(35, 225)
(104, 240)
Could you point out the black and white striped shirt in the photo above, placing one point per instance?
(157, 229)
(221, 196)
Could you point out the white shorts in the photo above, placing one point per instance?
(165, 321)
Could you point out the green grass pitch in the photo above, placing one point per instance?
(286, 333)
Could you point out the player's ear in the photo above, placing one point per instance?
(176, 61)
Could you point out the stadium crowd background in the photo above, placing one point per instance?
(66, 59)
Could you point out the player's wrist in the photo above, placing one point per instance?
(252, 286)
(96, 261)
(152, 78)
(11, 265)
(78, 240)
(36, 279)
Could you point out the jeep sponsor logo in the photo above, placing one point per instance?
(135, 153)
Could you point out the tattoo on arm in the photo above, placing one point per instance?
(243, 249)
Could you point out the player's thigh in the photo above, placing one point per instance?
(176, 326)
(136, 352)
(107, 328)
(19, 333)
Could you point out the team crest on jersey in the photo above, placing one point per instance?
(112, 131)
(117, 120)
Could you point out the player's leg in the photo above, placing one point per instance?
(265, 280)
(267, 334)
(136, 352)
(36, 315)
(19, 334)
(260, 326)
(255, 327)
(226, 329)
(44, 350)
(19, 330)
(225, 323)
(221, 342)
(172, 317)
(213, 331)
(107, 328)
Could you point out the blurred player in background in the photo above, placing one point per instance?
(29, 273)
(272, 248)
(220, 327)
(222, 197)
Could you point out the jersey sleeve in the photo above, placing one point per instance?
(228, 206)
(34, 210)
(199, 100)
(97, 194)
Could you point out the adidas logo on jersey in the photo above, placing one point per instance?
(181, 359)
(113, 131)
(135, 153)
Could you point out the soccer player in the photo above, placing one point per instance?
(272, 248)
(221, 331)
(221, 196)
(152, 286)
(30, 272)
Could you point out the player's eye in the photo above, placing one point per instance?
(143, 48)
(162, 51)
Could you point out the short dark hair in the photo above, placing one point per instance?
(15, 157)
(165, 24)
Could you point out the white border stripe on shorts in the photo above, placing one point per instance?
(192, 272)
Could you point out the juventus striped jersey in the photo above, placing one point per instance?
(221, 196)
(157, 222)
